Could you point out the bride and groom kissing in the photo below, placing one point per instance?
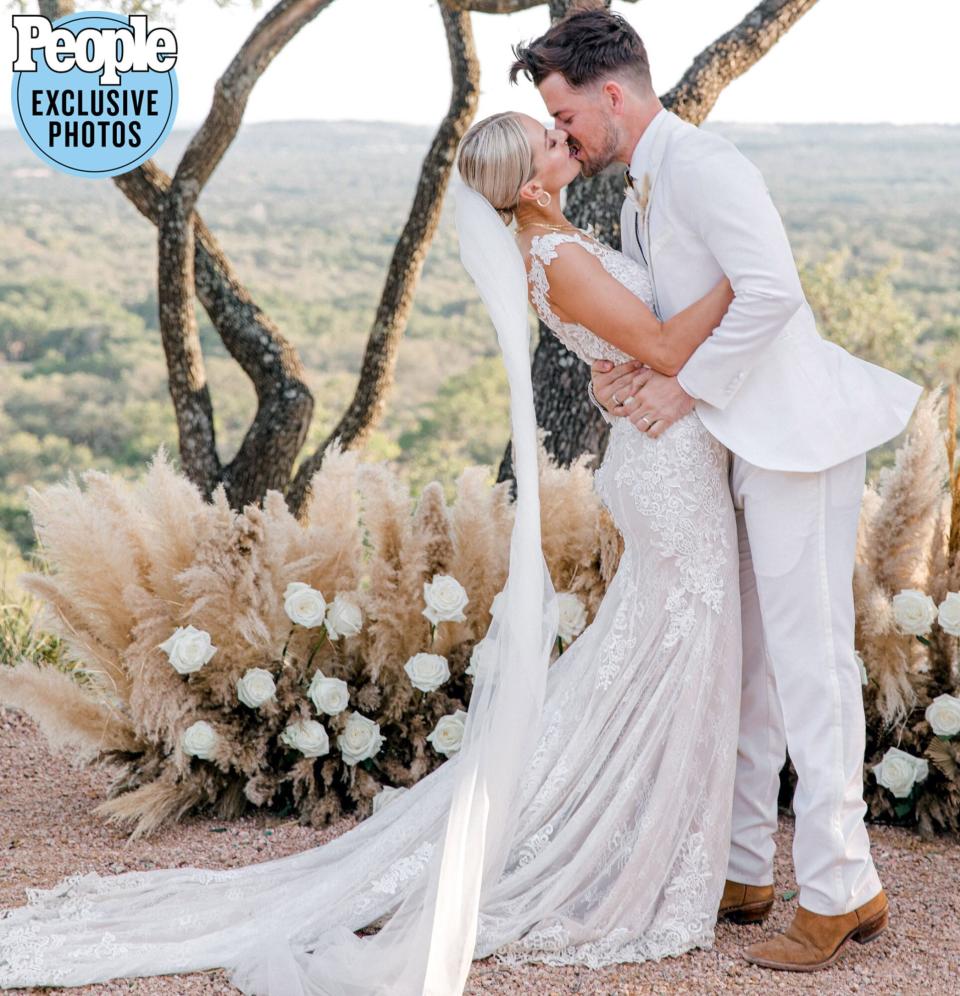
(606, 808)
(797, 415)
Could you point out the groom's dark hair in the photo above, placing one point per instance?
(585, 45)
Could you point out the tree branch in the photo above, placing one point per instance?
(176, 238)
(396, 301)
(501, 6)
(730, 56)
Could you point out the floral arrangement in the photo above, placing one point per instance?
(212, 671)
(907, 591)
(318, 665)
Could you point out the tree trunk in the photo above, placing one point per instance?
(396, 301)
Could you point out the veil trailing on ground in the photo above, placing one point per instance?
(506, 703)
(285, 927)
(427, 945)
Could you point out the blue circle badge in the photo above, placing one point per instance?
(94, 94)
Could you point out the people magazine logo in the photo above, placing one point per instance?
(95, 93)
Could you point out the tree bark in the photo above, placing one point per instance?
(560, 380)
(730, 56)
(176, 247)
(396, 301)
(53, 10)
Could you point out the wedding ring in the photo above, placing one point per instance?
(646, 418)
(616, 399)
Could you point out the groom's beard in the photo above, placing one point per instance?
(608, 152)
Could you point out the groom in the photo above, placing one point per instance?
(798, 415)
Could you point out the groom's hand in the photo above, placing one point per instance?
(659, 404)
(615, 387)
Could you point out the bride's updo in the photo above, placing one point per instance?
(495, 160)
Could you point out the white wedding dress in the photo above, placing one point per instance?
(623, 817)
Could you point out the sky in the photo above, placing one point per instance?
(386, 60)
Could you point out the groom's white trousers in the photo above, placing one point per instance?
(801, 682)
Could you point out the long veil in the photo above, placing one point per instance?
(285, 927)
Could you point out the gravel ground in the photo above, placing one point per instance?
(47, 832)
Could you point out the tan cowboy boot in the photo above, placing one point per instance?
(814, 941)
(746, 903)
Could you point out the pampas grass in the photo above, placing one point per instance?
(908, 539)
(122, 566)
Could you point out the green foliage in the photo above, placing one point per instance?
(309, 215)
(20, 634)
(862, 313)
(467, 423)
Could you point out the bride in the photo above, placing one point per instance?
(586, 817)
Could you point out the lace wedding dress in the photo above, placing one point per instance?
(624, 809)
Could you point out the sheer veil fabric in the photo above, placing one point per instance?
(286, 927)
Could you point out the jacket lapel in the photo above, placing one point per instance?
(658, 155)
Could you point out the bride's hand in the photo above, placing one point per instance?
(622, 380)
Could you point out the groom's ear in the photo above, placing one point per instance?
(612, 92)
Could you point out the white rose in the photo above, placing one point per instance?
(949, 614)
(344, 618)
(256, 687)
(445, 598)
(385, 796)
(480, 650)
(914, 612)
(307, 736)
(427, 671)
(898, 771)
(304, 605)
(329, 695)
(200, 740)
(188, 648)
(361, 738)
(943, 715)
(864, 677)
(447, 735)
(572, 616)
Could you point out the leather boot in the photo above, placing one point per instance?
(746, 903)
(814, 941)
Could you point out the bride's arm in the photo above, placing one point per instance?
(581, 290)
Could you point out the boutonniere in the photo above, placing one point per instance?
(638, 193)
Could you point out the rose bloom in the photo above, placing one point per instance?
(307, 736)
(256, 687)
(943, 715)
(304, 605)
(188, 649)
(427, 671)
(344, 618)
(445, 598)
(914, 612)
(329, 695)
(948, 615)
(199, 740)
(447, 735)
(572, 616)
(361, 739)
(898, 771)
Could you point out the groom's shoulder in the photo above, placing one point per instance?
(700, 148)
(693, 141)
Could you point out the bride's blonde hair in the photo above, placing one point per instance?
(495, 159)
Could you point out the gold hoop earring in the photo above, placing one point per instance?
(549, 199)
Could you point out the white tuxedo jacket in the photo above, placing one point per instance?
(767, 385)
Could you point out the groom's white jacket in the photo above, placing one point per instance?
(767, 385)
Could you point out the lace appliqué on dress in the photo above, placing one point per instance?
(577, 338)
